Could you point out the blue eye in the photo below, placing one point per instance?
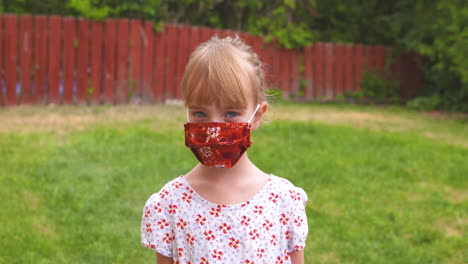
(231, 115)
(199, 114)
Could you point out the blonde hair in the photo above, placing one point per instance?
(224, 71)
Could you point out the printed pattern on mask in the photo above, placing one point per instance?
(218, 144)
(180, 224)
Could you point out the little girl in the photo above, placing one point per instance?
(225, 210)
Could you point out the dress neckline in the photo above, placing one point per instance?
(257, 196)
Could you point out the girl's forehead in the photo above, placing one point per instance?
(215, 107)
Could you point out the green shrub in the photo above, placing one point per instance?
(425, 103)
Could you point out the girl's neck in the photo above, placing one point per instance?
(243, 170)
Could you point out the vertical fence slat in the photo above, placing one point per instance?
(109, 61)
(160, 69)
(318, 70)
(380, 59)
(123, 43)
(308, 73)
(171, 56)
(147, 78)
(182, 57)
(40, 59)
(295, 73)
(275, 63)
(69, 40)
(205, 34)
(195, 37)
(285, 69)
(95, 90)
(25, 57)
(349, 68)
(1, 58)
(11, 61)
(82, 60)
(55, 34)
(267, 61)
(136, 54)
(339, 69)
(358, 66)
(329, 70)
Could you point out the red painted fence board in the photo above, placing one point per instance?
(109, 60)
(69, 42)
(83, 80)
(40, 59)
(123, 45)
(1, 58)
(308, 73)
(136, 55)
(160, 68)
(95, 87)
(11, 37)
(147, 77)
(339, 69)
(348, 68)
(25, 45)
(329, 70)
(170, 59)
(319, 70)
(55, 34)
(358, 66)
(182, 57)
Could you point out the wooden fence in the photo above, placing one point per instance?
(64, 60)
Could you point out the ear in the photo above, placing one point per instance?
(259, 115)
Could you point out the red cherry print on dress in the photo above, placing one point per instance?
(258, 209)
(284, 219)
(200, 219)
(163, 223)
(204, 261)
(234, 243)
(190, 239)
(298, 221)
(177, 184)
(267, 225)
(217, 254)
(279, 260)
(187, 197)
(158, 208)
(245, 221)
(287, 234)
(254, 234)
(273, 240)
(225, 228)
(172, 209)
(168, 238)
(273, 197)
(209, 235)
(148, 228)
(163, 193)
(260, 252)
(249, 261)
(181, 224)
(215, 211)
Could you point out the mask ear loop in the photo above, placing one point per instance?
(258, 105)
(188, 120)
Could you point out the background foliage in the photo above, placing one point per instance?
(436, 29)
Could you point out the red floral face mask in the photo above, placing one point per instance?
(217, 144)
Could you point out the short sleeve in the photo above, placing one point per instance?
(298, 227)
(156, 228)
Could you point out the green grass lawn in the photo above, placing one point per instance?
(385, 185)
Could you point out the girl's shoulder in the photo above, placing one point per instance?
(284, 189)
(169, 193)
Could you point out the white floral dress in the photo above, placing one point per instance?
(180, 224)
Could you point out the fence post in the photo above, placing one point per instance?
(11, 37)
